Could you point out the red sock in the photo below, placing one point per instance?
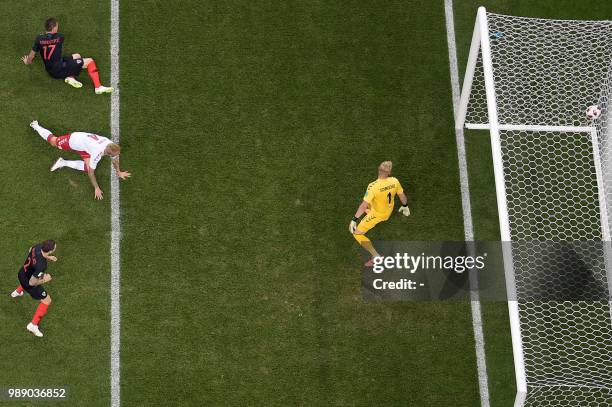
(40, 312)
(92, 70)
(19, 289)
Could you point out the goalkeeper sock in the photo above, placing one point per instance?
(74, 164)
(19, 289)
(92, 70)
(40, 312)
(366, 244)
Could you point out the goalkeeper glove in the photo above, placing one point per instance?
(404, 210)
(353, 225)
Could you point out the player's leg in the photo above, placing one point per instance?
(72, 81)
(365, 242)
(41, 310)
(44, 133)
(92, 70)
(78, 165)
(71, 67)
(21, 277)
(364, 226)
(63, 143)
(18, 292)
(62, 71)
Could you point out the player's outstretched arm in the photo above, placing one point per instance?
(27, 59)
(98, 194)
(360, 211)
(120, 174)
(404, 208)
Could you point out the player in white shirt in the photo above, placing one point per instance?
(91, 147)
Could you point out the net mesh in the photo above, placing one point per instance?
(547, 72)
(604, 137)
(558, 396)
(559, 263)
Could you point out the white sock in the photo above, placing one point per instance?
(74, 164)
(42, 132)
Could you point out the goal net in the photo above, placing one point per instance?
(529, 82)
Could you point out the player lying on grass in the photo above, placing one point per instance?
(67, 68)
(378, 205)
(32, 276)
(91, 148)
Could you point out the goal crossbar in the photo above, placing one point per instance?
(532, 127)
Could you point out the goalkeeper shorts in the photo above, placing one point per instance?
(371, 219)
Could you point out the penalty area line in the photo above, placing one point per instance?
(115, 244)
(468, 227)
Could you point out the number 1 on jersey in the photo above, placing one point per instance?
(389, 197)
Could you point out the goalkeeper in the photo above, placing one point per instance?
(378, 205)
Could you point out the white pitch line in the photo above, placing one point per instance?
(481, 361)
(115, 247)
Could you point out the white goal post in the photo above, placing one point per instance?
(529, 81)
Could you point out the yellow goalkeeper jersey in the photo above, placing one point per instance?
(381, 196)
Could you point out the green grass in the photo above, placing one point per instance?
(38, 205)
(252, 130)
(273, 126)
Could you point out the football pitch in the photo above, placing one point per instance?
(252, 129)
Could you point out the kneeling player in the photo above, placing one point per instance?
(91, 148)
(67, 68)
(378, 205)
(32, 276)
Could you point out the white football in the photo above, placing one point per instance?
(593, 112)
